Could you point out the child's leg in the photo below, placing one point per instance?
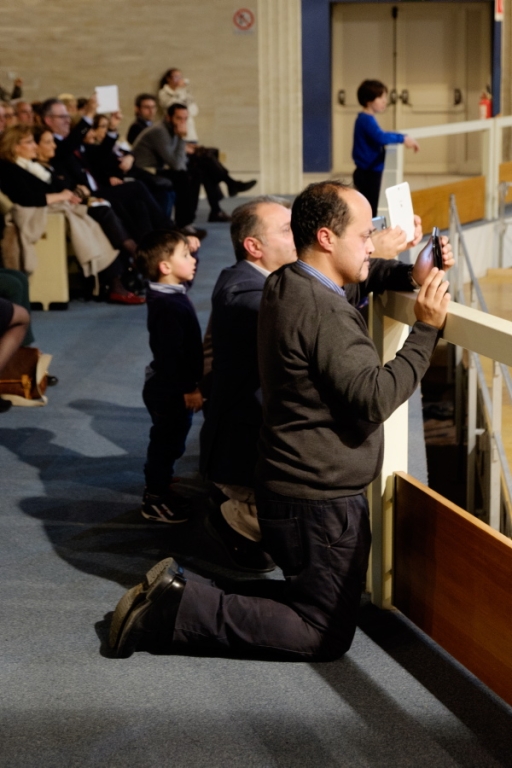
(368, 184)
(167, 437)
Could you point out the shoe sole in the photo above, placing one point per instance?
(127, 612)
(236, 566)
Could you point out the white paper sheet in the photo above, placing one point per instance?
(108, 98)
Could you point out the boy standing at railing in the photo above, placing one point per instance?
(369, 150)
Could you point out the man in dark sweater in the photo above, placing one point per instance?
(325, 398)
(171, 392)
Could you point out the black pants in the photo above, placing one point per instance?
(368, 184)
(136, 207)
(203, 168)
(322, 547)
(167, 437)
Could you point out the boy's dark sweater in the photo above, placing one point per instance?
(325, 392)
(175, 340)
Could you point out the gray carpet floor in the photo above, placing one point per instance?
(72, 540)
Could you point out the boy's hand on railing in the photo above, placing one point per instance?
(193, 400)
(433, 299)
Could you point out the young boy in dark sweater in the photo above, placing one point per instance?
(369, 150)
(171, 392)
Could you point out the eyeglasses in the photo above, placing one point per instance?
(61, 117)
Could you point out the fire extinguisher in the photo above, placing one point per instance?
(485, 105)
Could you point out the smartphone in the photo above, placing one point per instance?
(379, 223)
(436, 248)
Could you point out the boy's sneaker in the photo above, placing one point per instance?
(164, 509)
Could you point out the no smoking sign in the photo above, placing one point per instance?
(244, 20)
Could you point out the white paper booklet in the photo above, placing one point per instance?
(108, 98)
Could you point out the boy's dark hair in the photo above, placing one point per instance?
(319, 205)
(155, 247)
(370, 90)
(245, 222)
(172, 109)
(144, 97)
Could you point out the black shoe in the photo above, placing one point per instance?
(235, 187)
(51, 381)
(169, 508)
(145, 616)
(219, 216)
(242, 554)
(5, 405)
(194, 231)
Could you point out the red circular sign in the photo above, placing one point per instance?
(243, 19)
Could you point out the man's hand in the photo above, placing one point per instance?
(126, 162)
(115, 119)
(115, 181)
(388, 243)
(411, 143)
(422, 269)
(433, 299)
(194, 243)
(91, 106)
(194, 401)
(189, 148)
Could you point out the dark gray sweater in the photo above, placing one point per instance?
(325, 393)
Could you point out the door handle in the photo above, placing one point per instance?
(393, 96)
(404, 97)
(457, 97)
(341, 98)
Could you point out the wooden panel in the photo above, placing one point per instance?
(49, 283)
(452, 577)
(433, 204)
(506, 175)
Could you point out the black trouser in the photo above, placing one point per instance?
(136, 207)
(322, 547)
(110, 223)
(167, 437)
(203, 168)
(368, 184)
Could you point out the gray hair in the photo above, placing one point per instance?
(245, 221)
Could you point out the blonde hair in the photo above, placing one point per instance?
(10, 138)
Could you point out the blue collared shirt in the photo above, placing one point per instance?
(321, 277)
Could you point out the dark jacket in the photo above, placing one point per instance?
(175, 340)
(137, 127)
(325, 392)
(230, 432)
(23, 188)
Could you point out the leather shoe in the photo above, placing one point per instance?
(219, 216)
(234, 187)
(145, 616)
(194, 231)
(5, 405)
(126, 298)
(51, 381)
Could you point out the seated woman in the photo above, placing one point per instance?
(29, 183)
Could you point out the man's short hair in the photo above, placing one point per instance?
(172, 109)
(369, 90)
(319, 205)
(155, 247)
(245, 222)
(143, 97)
(48, 105)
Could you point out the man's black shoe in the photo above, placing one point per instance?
(145, 616)
(219, 216)
(235, 187)
(5, 405)
(242, 554)
(51, 381)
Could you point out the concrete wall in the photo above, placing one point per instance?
(73, 45)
